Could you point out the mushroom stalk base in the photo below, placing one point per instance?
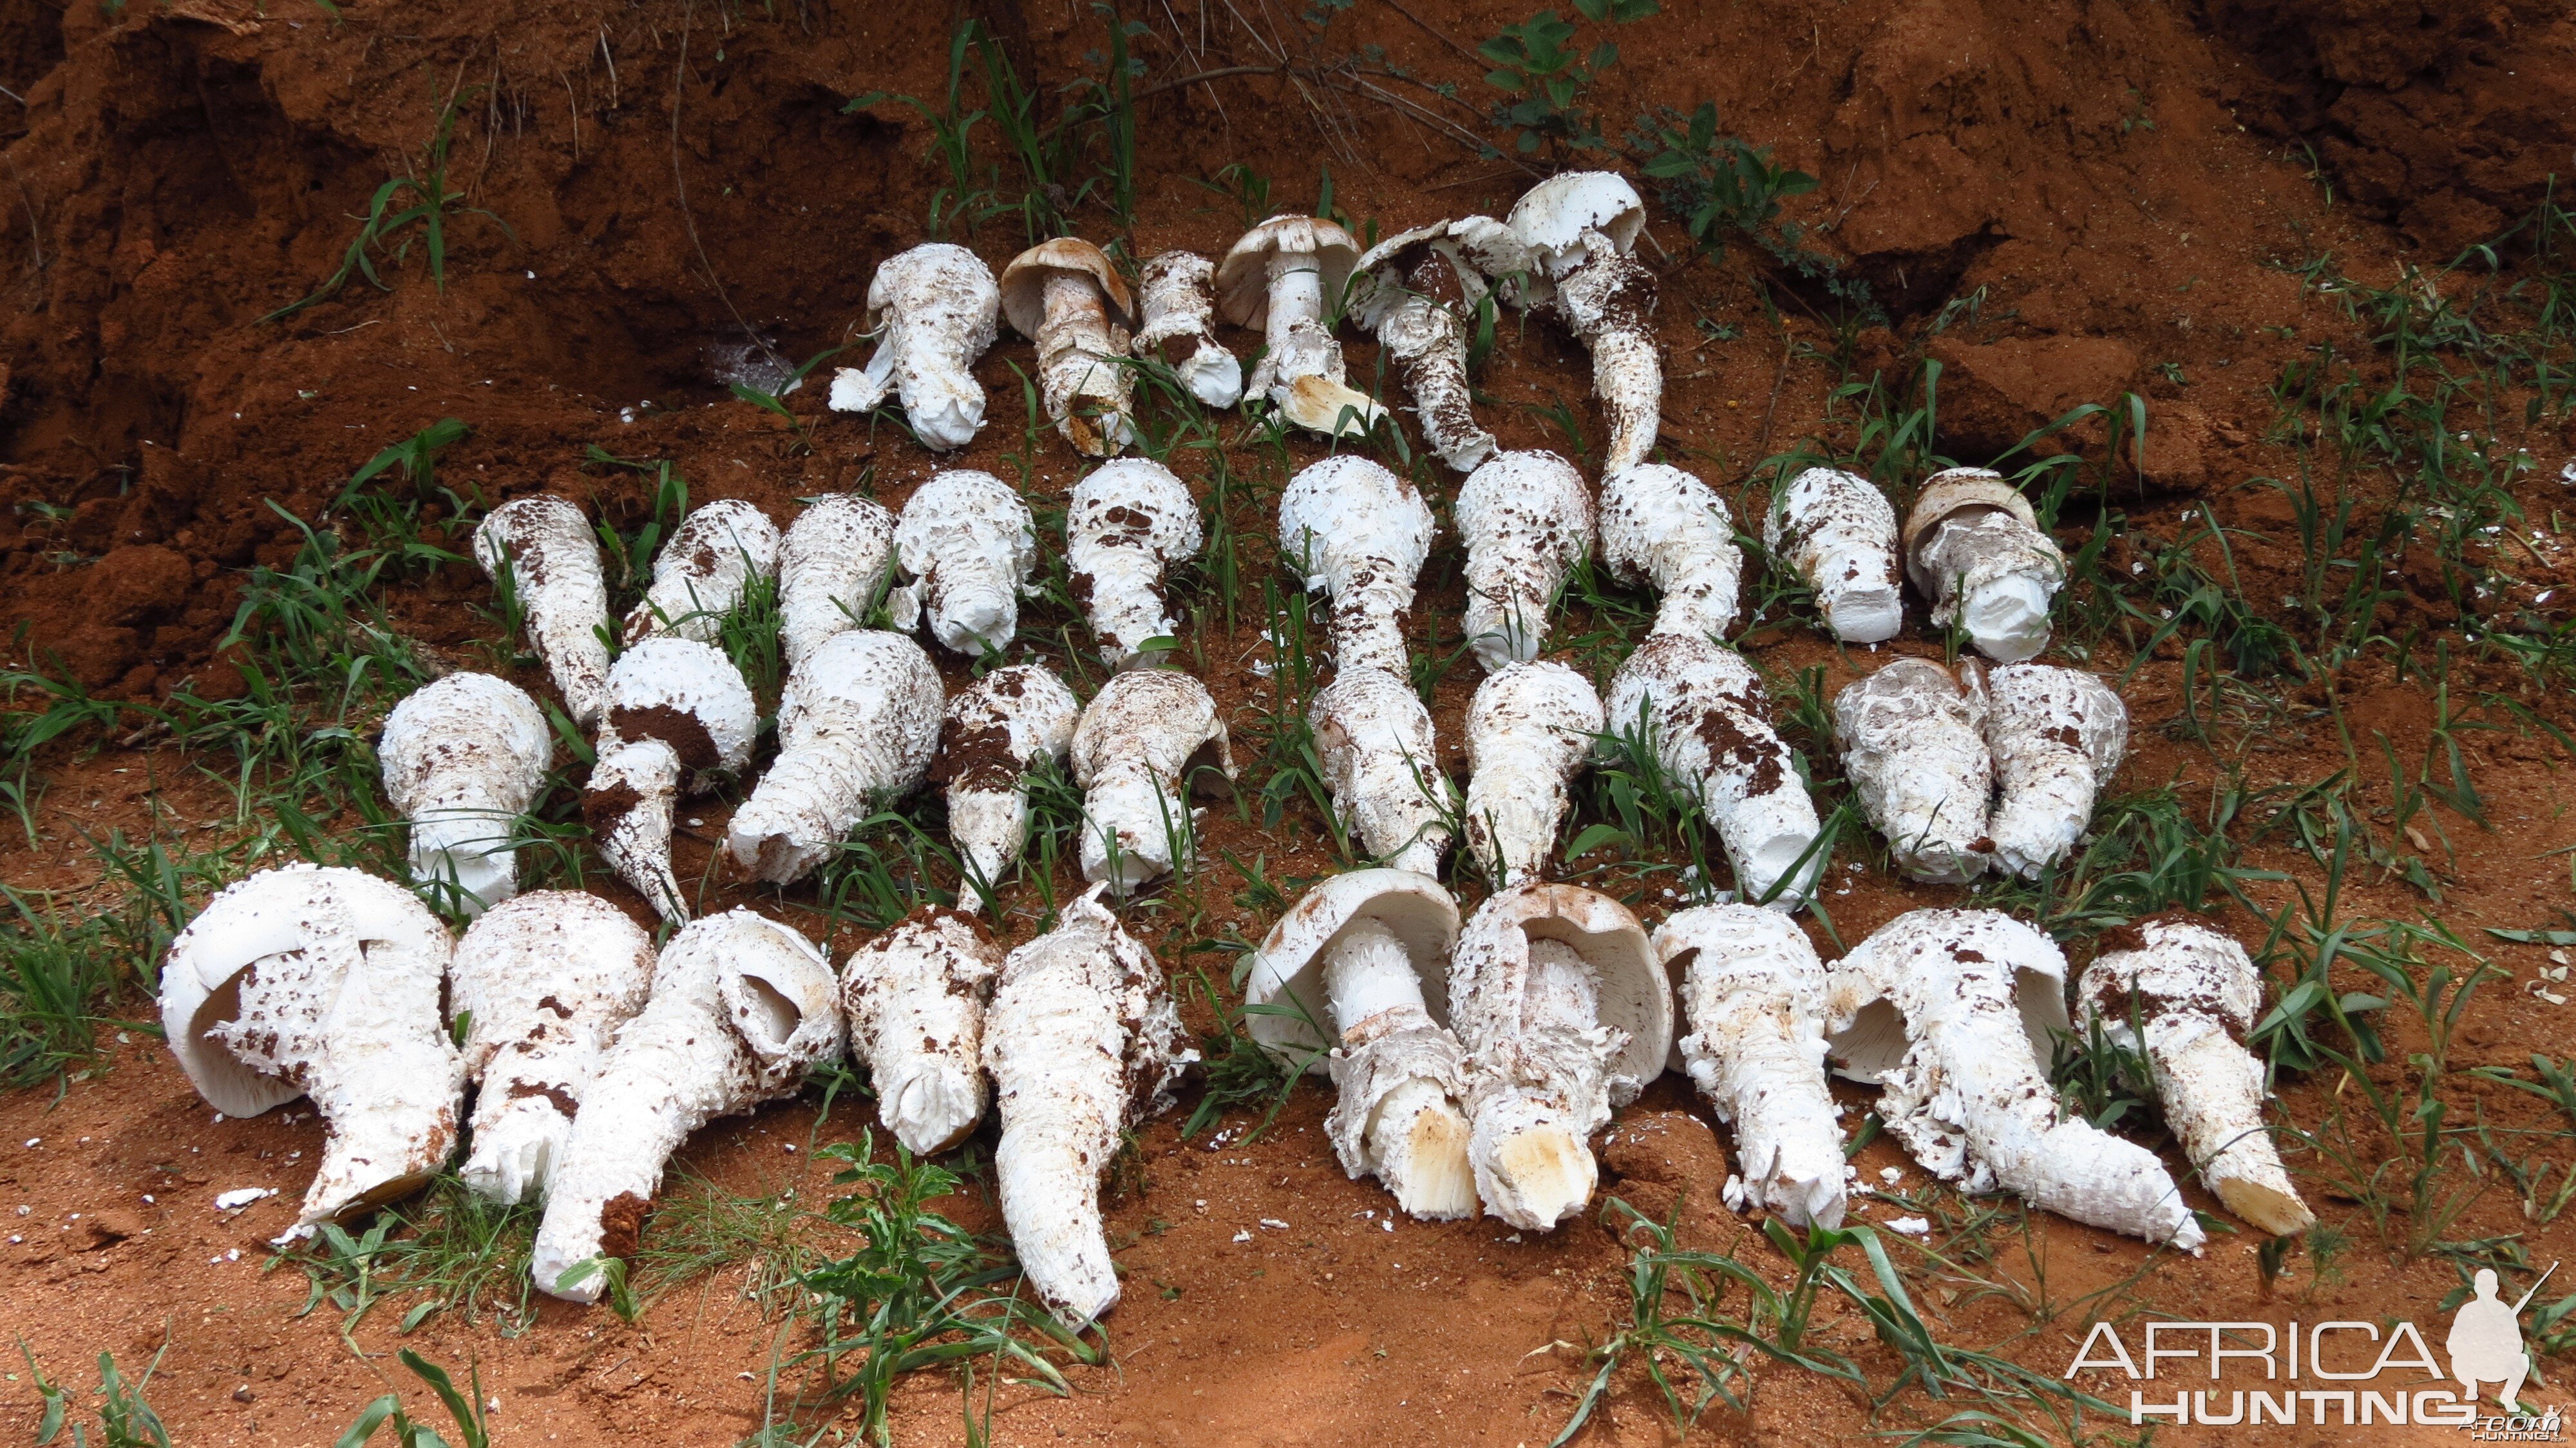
(1397, 1075)
(1427, 342)
(1534, 1167)
(630, 796)
(1609, 301)
(1085, 392)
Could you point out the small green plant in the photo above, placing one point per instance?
(1719, 185)
(431, 210)
(464, 1409)
(1535, 64)
(125, 1420)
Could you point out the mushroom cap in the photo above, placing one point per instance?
(663, 685)
(1394, 246)
(1553, 215)
(1243, 278)
(1024, 282)
(1288, 969)
(1960, 490)
(1636, 994)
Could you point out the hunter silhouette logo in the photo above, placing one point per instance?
(2486, 1341)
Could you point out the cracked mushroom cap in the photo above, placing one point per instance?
(1288, 969)
(1921, 946)
(1024, 282)
(1401, 265)
(1489, 974)
(1243, 278)
(1951, 493)
(1552, 216)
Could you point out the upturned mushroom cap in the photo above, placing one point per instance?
(1951, 492)
(1243, 278)
(1288, 969)
(1552, 216)
(1491, 968)
(1024, 282)
(1872, 1037)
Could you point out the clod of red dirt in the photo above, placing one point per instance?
(1654, 1158)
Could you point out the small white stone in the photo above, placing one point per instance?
(1910, 1226)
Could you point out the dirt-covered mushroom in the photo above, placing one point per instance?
(544, 549)
(1416, 291)
(1359, 533)
(1973, 546)
(1565, 1015)
(1914, 747)
(1837, 531)
(1660, 525)
(856, 728)
(1753, 998)
(1361, 964)
(1578, 226)
(934, 311)
(915, 999)
(324, 983)
(2056, 735)
(993, 735)
(1280, 278)
(2186, 996)
(1529, 732)
(679, 712)
(1178, 292)
(1954, 1013)
(716, 553)
(1710, 724)
(1127, 523)
(836, 557)
(1064, 295)
(741, 1007)
(1082, 1041)
(967, 545)
(541, 985)
(1144, 742)
(464, 757)
(1374, 738)
(1526, 520)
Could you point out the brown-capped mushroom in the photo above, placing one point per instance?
(1064, 295)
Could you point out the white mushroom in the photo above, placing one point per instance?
(2056, 734)
(1360, 533)
(1137, 753)
(1177, 289)
(1710, 725)
(915, 999)
(1530, 730)
(1914, 747)
(1127, 523)
(934, 311)
(1973, 547)
(678, 713)
(1082, 1041)
(1667, 528)
(856, 728)
(1565, 1015)
(741, 1007)
(1415, 290)
(324, 983)
(1279, 278)
(1753, 996)
(837, 555)
(2186, 995)
(1373, 737)
(552, 559)
(464, 757)
(1064, 295)
(967, 544)
(1952, 1011)
(1578, 226)
(540, 984)
(1837, 531)
(705, 566)
(1359, 966)
(993, 735)
(1526, 520)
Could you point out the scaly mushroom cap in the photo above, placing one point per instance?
(1024, 282)
(1136, 752)
(994, 733)
(1360, 533)
(933, 310)
(1288, 970)
(1433, 262)
(2056, 736)
(1914, 745)
(1529, 730)
(541, 984)
(553, 560)
(1662, 525)
(1489, 976)
(1127, 522)
(1552, 216)
(1382, 762)
(464, 757)
(1837, 531)
(701, 572)
(915, 1000)
(1243, 278)
(1526, 519)
(831, 565)
(1711, 727)
(856, 729)
(687, 695)
(969, 544)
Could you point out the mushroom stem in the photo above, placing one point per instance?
(628, 804)
(553, 562)
(1179, 327)
(1399, 1070)
(1608, 300)
(1368, 974)
(1086, 392)
(1754, 995)
(1428, 343)
(1380, 759)
(1533, 1163)
(1298, 344)
(1529, 731)
(1838, 532)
